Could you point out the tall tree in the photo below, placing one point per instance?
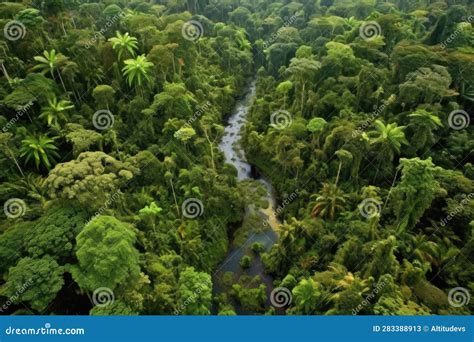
(124, 44)
(303, 70)
(415, 192)
(387, 141)
(329, 202)
(423, 123)
(50, 62)
(137, 70)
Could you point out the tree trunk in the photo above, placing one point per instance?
(64, 29)
(16, 162)
(302, 97)
(391, 187)
(174, 196)
(338, 172)
(211, 145)
(5, 72)
(62, 83)
(174, 66)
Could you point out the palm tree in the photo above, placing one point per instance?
(306, 295)
(287, 233)
(242, 42)
(54, 112)
(388, 140)
(42, 149)
(30, 184)
(284, 88)
(331, 200)
(136, 70)
(351, 22)
(124, 44)
(466, 92)
(50, 62)
(390, 136)
(424, 123)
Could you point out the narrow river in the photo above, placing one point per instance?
(235, 155)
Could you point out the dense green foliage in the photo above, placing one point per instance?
(116, 191)
(367, 138)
